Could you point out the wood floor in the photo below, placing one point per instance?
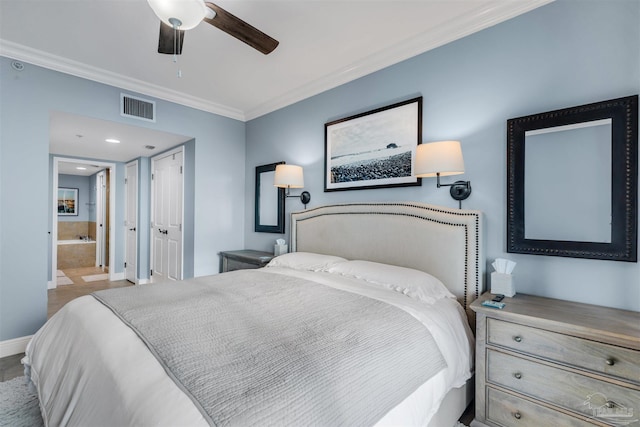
(61, 295)
(10, 366)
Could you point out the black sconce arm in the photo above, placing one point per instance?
(459, 190)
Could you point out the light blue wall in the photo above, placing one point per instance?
(563, 54)
(82, 183)
(189, 176)
(26, 99)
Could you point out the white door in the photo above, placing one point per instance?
(131, 221)
(166, 220)
(101, 186)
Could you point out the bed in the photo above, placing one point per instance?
(365, 322)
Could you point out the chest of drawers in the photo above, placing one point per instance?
(544, 362)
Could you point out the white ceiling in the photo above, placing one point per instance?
(323, 43)
(79, 136)
(79, 168)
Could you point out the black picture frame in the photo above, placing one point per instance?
(375, 149)
(623, 116)
(274, 203)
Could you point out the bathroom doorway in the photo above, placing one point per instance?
(82, 236)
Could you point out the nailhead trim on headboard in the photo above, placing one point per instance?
(420, 211)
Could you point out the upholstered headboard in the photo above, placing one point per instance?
(447, 243)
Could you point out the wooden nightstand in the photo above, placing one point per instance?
(545, 362)
(244, 259)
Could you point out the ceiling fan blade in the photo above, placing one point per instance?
(167, 41)
(239, 29)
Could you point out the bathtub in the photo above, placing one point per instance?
(75, 242)
(76, 253)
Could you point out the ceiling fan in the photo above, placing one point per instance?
(177, 16)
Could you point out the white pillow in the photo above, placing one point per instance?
(413, 283)
(305, 261)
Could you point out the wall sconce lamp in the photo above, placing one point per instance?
(443, 158)
(291, 176)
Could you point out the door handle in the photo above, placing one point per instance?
(132, 229)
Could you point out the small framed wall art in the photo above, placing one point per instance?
(67, 201)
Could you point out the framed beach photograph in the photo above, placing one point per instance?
(67, 201)
(376, 149)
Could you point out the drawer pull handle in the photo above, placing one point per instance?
(517, 338)
(610, 361)
(610, 404)
(517, 375)
(517, 415)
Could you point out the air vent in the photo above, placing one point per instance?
(137, 108)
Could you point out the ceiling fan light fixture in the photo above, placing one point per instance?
(188, 12)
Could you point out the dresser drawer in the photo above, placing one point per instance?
(510, 411)
(569, 390)
(585, 354)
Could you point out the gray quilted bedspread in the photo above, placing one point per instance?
(257, 348)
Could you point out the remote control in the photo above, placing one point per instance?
(493, 304)
(498, 298)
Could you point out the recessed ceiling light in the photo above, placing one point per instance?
(81, 168)
(113, 141)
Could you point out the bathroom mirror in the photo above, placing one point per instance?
(269, 203)
(572, 181)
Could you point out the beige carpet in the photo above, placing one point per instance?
(95, 277)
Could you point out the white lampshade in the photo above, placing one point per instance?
(288, 176)
(189, 12)
(443, 157)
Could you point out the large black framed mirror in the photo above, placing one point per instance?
(269, 203)
(572, 181)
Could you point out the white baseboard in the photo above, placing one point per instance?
(143, 281)
(14, 346)
(51, 284)
(116, 276)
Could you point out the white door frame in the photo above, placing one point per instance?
(54, 214)
(179, 149)
(100, 231)
(137, 225)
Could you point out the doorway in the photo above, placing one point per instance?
(90, 213)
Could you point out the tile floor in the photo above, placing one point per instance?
(10, 366)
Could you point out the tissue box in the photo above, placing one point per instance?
(280, 249)
(502, 283)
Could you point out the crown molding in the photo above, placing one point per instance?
(46, 60)
(462, 26)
